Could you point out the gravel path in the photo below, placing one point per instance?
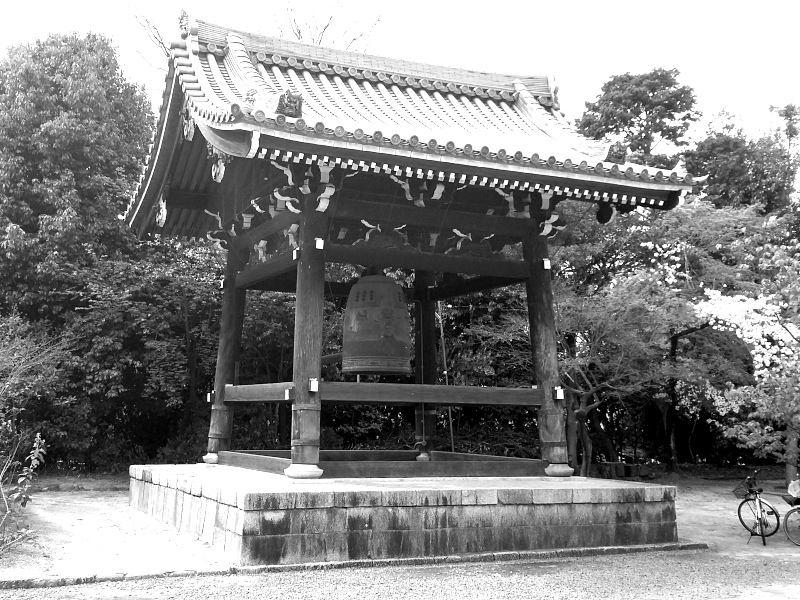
(732, 568)
(654, 575)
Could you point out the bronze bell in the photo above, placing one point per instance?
(377, 330)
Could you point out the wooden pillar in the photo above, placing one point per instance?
(541, 315)
(307, 363)
(230, 337)
(425, 356)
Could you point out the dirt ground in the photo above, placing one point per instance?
(83, 525)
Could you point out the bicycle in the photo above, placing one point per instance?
(791, 521)
(757, 515)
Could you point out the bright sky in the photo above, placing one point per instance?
(739, 56)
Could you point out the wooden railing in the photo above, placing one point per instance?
(389, 393)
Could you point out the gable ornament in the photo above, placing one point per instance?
(617, 153)
(259, 105)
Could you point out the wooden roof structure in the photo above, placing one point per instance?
(275, 115)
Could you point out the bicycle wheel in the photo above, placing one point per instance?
(791, 525)
(770, 521)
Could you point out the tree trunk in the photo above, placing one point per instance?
(792, 452)
(671, 413)
(586, 444)
(284, 424)
(668, 420)
(608, 446)
(572, 431)
(671, 440)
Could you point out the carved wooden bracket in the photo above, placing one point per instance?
(188, 125)
(219, 160)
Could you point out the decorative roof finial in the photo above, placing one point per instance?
(617, 153)
(290, 104)
(184, 24)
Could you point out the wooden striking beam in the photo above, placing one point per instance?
(273, 267)
(443, 263)
(390, 393)
(430, 219)
(332, 359)
(287, 284)
(470, 286)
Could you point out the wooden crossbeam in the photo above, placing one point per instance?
(429, 219)
(389, 393)
(278, 223)
(469, 286)
(443, 263)
(273, 267)
(287, 284)
(264, 276)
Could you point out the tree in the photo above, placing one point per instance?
(643, 110)
(73, 136)
(765, 417)
(743, 172)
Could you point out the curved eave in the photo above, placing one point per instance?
(168, 134)
(246, 141)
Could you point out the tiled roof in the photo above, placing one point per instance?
(396, 113)
(383, 104)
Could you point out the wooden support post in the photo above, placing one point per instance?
(425, 356)
(307, 362)
(230, 336)
(541, 315)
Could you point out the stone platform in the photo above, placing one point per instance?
(258, 518)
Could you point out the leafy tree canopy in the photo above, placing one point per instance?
(644, 109)
(744, 172)
(73, 136)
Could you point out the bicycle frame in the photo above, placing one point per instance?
(755, 513)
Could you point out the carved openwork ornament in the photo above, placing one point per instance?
(220, 238)
(552, 225)
(218, 161)
(606, 212)
(394, 239)
(188, 125)
(161, 215)
(259, 105)
(617, 153)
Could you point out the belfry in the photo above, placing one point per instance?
(293, 157)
